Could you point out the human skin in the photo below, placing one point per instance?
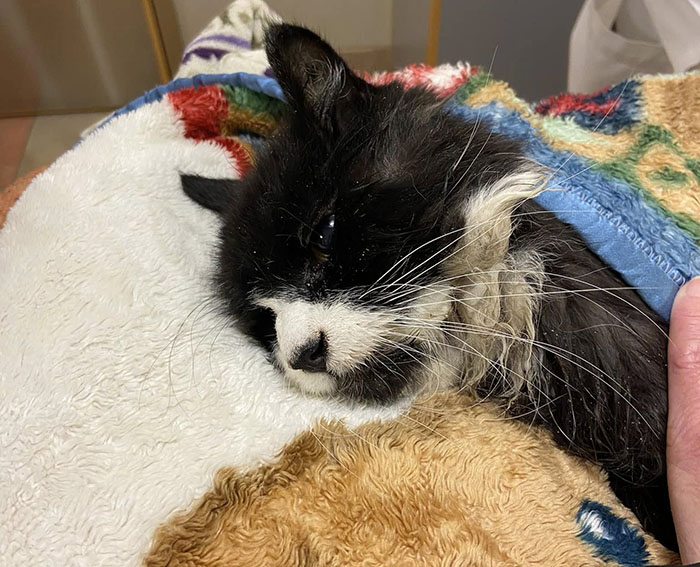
(683, 437)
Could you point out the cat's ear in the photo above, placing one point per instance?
(314, 78)
(218, 195)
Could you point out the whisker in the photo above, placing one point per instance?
(565, 354)
(595, 129)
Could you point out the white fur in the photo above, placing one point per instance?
(351, 333)
(121, 389)
(314, 383)
(497, 290)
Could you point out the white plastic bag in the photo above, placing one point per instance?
(615, 39)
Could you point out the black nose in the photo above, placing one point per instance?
(311, 356)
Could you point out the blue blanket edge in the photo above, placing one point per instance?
(656, 279)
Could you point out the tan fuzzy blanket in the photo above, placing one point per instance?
(451, 482)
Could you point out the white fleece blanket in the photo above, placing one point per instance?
(122, 389)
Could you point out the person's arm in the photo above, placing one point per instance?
(683, 438)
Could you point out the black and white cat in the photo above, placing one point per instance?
(382, 246)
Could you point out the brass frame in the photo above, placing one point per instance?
(157, 42)
(431, 54)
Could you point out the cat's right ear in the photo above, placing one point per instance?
(315, 80)
(217, 195)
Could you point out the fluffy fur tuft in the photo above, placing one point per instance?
(382, 246)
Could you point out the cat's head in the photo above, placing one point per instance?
(343, 251)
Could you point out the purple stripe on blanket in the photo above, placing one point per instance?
(225, 38)
(205, 53)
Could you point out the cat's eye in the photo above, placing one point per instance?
(321, 240)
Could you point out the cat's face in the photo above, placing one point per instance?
(337, 249)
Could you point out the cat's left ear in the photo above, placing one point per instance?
(217, 195)
(315, 79)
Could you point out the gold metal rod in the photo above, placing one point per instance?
(431, 55)
(157, 40)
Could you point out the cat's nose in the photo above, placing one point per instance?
(311, 356)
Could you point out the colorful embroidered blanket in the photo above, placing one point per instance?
(628, 162)
(625, 162)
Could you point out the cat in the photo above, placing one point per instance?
(382, 246)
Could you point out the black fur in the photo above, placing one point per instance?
(217, 195)
(380, 160)
(610, 396)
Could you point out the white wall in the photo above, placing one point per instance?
(348, 25)
(73, 55)
(410, 31)
(530, 40)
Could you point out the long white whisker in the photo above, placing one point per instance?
(595, 129)
(611, 382)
